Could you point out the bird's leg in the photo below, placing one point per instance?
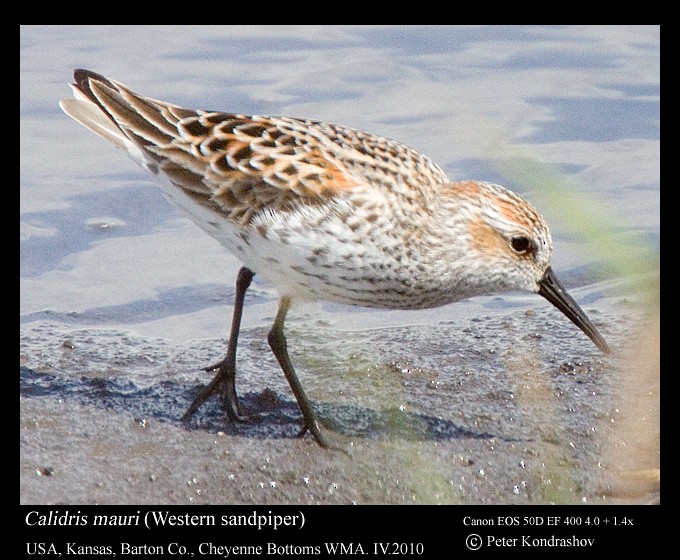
(225, 379)
(277, 342)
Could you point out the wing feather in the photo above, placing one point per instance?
(240, 165)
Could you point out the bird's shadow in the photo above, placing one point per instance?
(271, 416)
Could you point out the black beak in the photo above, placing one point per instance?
(551, 289)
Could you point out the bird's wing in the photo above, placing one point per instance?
(240, 164)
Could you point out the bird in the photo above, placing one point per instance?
(325, 212)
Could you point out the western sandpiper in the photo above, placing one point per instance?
(326, 212)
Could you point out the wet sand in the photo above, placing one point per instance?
(511, 408)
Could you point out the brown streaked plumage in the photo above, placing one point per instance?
(326, 212)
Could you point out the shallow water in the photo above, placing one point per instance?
(123, 300)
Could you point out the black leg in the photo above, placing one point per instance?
(225, 379)
(277, 342)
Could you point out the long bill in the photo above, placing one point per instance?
(552, 290)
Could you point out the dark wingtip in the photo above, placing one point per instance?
(82, 79)
(81, 76)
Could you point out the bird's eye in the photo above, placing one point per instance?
(521, 244)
